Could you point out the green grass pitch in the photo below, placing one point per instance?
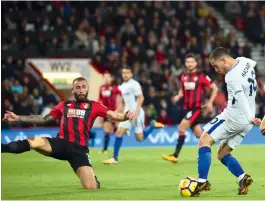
(141, 174)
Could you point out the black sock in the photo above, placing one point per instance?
(106, 142)
(16, 147)
(97, 182)
(181, 141)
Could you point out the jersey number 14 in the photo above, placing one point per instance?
(253, 84)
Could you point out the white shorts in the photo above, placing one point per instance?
(137, 124)
(224, 130)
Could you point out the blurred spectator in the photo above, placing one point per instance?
(152, 37)
(17, 87)
(48, 98)
(164, 119)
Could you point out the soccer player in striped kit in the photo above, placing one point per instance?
(71, 143)
(110, 96)
(193, 86)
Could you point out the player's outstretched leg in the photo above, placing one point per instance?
(204, 163)
(40, 144)
(148, 130)
(184, 125)
(234, 167)
(16, 147)
(117, 146)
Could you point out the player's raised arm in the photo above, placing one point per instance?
(206, 81)
(179, 96)
(137, 91)
(55, 113)
(34, 119)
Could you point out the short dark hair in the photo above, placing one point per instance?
(191, 55)
(218, 53)
(127, 68)
(78, 79)
(107, 72)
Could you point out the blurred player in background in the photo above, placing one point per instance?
(110, 96)
(232, 125)
(193, 88)
(133, 100)
(71, 144)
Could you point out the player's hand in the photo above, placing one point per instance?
(134, 115)
(208, 107)
(256, 121)
(175, 99)
(130, 115)
(10, 116)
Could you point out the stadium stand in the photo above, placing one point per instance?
(152, 37)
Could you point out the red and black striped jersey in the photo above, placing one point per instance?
(193, 86)
(108, 96)
(77, 119)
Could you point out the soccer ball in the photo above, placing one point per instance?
(187, 186)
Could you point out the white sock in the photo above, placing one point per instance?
(241, 176)
(201, 180)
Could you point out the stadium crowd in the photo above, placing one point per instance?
(247, 16)
(152, 37)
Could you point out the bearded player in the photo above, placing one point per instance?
(193, 88)
(110, 96)
(71, 143)
(133, 100)
(232, 125)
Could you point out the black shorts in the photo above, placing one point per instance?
(193, 115)
(75, 154)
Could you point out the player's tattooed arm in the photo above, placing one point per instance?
(36, 119)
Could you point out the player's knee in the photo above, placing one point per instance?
(182, 128)
(90, 186)
(120, 132)
(36, 142)
(139, 137)
(205, 140)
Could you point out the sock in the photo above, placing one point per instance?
(180, 143)
(97, 182)
(16, 147)
(117, 146)
(106, 142)
(148, 130)
(241, 176)
(204, 162)
(233, 165)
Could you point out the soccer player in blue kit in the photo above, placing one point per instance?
(232, 125)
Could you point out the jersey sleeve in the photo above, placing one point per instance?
(206, 80)
(56, 112)
(100, 109)
(136, 88)
(117, 90)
